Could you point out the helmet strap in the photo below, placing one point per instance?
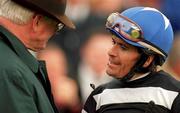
(136, 68)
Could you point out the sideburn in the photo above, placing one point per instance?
(143, 58)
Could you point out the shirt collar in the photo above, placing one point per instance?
(139, 77)
(20, 50)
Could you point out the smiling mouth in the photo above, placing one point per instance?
(112, 64)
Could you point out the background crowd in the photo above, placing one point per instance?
(79, 57)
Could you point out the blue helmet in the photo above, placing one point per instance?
(156, 30)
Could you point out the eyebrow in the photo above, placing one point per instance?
(115, 38)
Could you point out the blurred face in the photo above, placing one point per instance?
(97, 48)
(122, 57)
(105, 6)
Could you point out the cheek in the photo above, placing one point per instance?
(46, 32)
(126, 62)
(129, 60)
(45, 36)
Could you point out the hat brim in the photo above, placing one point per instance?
(124, 39)
(66, 21)
(58, 13)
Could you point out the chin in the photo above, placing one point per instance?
(38, 49)
(114, 74)
(41, 47)
(110, 73)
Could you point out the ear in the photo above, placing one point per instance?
(148, 61)
(36, 22)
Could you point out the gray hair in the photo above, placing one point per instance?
(15, 12)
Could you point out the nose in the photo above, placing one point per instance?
(113, 51)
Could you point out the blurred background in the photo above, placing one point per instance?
(77, 58)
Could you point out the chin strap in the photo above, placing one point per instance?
(136, 68)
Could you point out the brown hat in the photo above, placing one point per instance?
(53, 8)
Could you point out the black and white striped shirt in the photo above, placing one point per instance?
(155, 93)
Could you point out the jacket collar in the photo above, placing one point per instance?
(20, 50)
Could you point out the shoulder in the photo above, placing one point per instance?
(11, 66)
(8, 58)
(113, 84)
(168, 81)
(10, 72)
(7, 54)
(92, 101)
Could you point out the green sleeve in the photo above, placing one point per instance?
(15, 96)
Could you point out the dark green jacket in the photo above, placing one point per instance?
(24, 85)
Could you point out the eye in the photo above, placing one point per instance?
(113, 42)
(123, 47)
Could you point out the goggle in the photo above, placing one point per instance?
(124, 26)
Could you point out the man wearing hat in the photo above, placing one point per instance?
(27, 25)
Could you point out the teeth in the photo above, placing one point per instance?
(110, 62)
(113, 63)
